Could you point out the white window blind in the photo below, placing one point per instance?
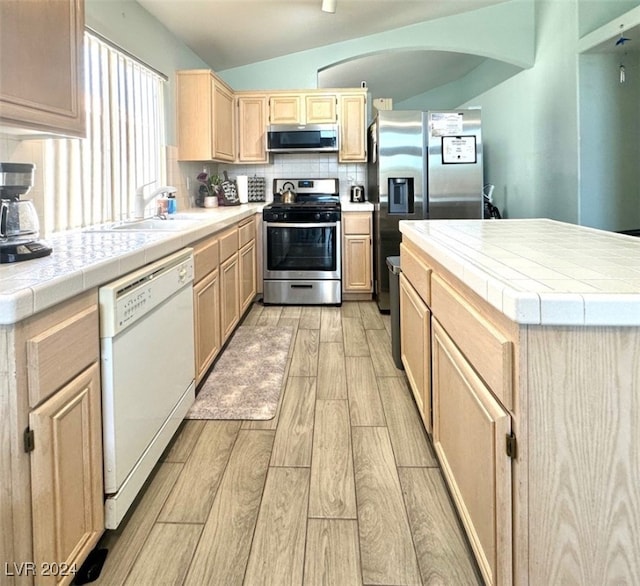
(94, 179)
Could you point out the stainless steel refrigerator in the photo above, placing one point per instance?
(422, 165)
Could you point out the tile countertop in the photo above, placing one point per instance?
(87, 258)
(539, 271)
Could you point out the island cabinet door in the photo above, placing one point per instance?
(415, 347)
(470, 430)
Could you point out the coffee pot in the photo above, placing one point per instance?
(19, 225)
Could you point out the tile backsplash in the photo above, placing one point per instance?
(308, 165)
(182, 175)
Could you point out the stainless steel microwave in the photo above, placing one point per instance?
(293, 138)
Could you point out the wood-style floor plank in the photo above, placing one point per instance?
(291, 311)
(252, 316)
(191, 498)
(371, 317)
(310, 318)
(444, 556)
(269, 316)
(332, 378)
(386, 546)
(350, 309)
(365, 406)
(162, 563)
(223, 551)
(294, 436)
(304, 361)
(125, 543)
(186, 437)
(332, 556)
(332, 493)
(355, 339)
(277, 553)
(330, 324)
(406, 430)
(380, 348)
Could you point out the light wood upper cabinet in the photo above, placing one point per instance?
(223, 122)
(252, 128)
(353, 127)
(285, 109)
(206, 117)
(302, 108)
(320, 108)
(41, 69)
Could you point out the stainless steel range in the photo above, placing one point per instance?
(301, 243)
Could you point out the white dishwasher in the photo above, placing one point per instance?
(148, 372)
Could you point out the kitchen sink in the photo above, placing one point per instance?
(146, 225)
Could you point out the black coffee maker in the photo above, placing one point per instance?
(19, 226)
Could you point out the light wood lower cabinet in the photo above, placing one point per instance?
(207, 322)
(469, 431)
(229, 296)
(206, 303)
(247, 271)
(51, 484)
(357, 266)
(415, 344)
(66, 476)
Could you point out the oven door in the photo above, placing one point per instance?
(299, 251)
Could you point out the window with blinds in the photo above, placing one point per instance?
(94, 179)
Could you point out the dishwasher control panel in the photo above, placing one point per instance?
(128, 299)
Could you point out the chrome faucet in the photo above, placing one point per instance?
(141, 201)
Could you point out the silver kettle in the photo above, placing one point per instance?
(288, 194)
(357, 193)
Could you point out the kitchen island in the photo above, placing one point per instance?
(521, 342)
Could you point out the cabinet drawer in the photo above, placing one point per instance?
(356, 223)
(205, 257)
(228, 243)
(487, 348)
(246, 232)
(417, 271)
(59, 353)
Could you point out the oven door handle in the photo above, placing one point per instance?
(302, 224)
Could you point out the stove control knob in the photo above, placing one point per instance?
(316, 216)
(284, 216)
(274, 216)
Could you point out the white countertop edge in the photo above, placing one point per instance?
(25, 302)
(529, 307)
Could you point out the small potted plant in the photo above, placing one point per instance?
(209, 188)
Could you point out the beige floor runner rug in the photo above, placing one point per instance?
(248, 378)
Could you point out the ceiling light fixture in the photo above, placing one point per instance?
(329, 5)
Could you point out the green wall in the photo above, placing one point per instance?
(502, 31)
